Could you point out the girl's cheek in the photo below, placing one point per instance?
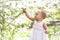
(39, 16)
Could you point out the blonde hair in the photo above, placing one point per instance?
(43, 13)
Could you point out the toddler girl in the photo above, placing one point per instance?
(39, 29)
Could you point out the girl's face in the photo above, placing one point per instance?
(38, 15)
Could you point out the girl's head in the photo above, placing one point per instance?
(40, 15)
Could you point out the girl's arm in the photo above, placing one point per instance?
(46, 28)
(26, 13)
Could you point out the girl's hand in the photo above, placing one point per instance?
(46, 31)
(27, 14)
(24, 10)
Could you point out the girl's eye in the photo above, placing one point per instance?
(36, 13)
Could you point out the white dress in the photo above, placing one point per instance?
(37, 32)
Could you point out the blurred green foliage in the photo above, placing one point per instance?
(13, 21)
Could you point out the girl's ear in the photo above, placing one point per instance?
(43, 14)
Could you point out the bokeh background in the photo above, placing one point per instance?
(14, 25)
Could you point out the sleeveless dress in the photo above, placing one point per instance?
(38, 32)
